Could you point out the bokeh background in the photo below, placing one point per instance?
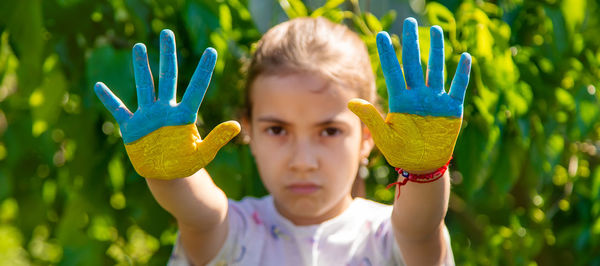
(525, 173)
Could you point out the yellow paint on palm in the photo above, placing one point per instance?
(419, 143)
(178, 151)
(415, 143)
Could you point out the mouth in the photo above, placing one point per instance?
(303, 188)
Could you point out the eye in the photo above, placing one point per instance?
(330, 132)
(275, 131)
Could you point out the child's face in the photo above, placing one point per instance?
(307, 144)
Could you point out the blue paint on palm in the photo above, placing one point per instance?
(417, 96)
(153, 113)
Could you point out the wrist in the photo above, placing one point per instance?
(406, 176)
(418, 172)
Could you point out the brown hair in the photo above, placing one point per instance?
(314, 45)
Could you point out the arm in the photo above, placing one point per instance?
(418, 135)
(200, 208)
(165, 147)
(418, 221)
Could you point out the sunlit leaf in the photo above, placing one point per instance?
(388, 19)
(225, 17)
(46, 101)
(116, 173)
(293, 8)
(438, 14)
(373, 22)
(574, 13)
(484, 42)
(330, 5)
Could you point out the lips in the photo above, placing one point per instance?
(303, 188)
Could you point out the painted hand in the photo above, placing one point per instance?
(161, 138)
(420, 131)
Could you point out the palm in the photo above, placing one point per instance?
(154, 116)
(153, 113)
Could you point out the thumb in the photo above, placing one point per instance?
(368, 115)
(216, 139)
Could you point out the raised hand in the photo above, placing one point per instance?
(419, 133)
(160, 137)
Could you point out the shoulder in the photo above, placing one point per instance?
(249, 213)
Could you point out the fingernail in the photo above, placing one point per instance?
(383, 38)
(466, 59)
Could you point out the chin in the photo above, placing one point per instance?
(305, 207)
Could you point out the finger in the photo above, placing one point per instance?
(114, 105)
(217, 138)
(435, 67)
(143, 76)
(368, 115)
(411, 56)
(461, 78)
(167, 82)
(195, 91)
(392, 72)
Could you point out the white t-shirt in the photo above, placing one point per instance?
(259, 235)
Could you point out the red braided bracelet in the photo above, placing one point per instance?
(418, 178)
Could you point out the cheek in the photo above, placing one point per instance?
(350, 144)
(343, 155)
(266, 148)
(268, 157)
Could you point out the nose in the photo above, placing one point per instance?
(304, 156)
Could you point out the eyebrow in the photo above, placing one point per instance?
(275, 120)
(270, 119)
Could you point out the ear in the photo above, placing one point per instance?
(247, 132)
(246, 128)
(367, 143)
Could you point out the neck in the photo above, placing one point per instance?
(329, 214)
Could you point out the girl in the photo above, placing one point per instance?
(306, 135)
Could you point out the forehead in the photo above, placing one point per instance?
(300, 97)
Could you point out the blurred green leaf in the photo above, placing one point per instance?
(438, 14)
(46, 101)
(330, 5)
(388, 19)
(293, 8)
(113, 67)
(199, 22)
(26, 29)
(574, 14)
(116, 172)
(373, 23)
(225, 18)
(11, 251)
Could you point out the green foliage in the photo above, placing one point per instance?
(526, 175)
